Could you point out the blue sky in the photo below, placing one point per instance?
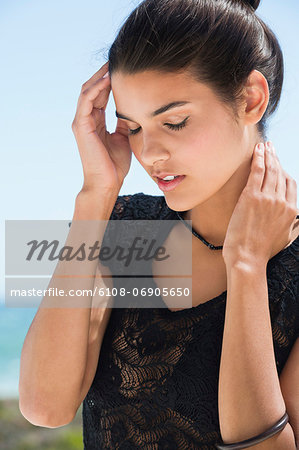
(48, 50)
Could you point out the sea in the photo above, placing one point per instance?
(14, 324)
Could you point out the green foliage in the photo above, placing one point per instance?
(16, 433)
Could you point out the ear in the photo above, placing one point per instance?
(255, 98)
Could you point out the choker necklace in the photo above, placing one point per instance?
(211, 246)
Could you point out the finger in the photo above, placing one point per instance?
(88, 96)
(99, 109)
(281, 178)
(102, 99)
(121, 127)
(291, 192)
(256, 176)
(271, 171)
(96, 76)
(100, 119)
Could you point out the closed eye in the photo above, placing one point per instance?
(172, 126)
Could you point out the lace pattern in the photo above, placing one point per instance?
(156, 384)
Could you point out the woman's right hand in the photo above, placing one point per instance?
(106, 157)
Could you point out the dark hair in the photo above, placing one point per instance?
(219, 42)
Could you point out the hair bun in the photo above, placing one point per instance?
(253, 3)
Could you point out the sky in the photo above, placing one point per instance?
(48, 50)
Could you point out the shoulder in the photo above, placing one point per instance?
(283, 284)
(140, 206)
(284, 267)
(295, 233)
(289, 255)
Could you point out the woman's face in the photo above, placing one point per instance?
(208, 145)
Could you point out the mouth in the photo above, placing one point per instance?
(171, 184)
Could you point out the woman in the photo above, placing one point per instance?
(194, 83)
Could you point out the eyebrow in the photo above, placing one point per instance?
(158, 111)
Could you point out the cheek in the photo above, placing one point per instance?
(213, 152)
(136, 150)
(134, 146)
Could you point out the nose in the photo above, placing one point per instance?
(153, 151)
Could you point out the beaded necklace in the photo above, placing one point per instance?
(211, 246)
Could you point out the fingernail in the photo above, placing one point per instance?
(271, 146)
(106, 75)
(261, 147)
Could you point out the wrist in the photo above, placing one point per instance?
(250, 265)
(239, 257)
(91, 205)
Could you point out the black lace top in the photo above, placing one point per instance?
(156, 384)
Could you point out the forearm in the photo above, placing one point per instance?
(250, 398)
(61, 342)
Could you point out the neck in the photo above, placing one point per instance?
(211, 218)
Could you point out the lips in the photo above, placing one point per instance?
(162, 175)
(161, 179)
(170, 185)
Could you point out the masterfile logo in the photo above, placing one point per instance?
(144, 259)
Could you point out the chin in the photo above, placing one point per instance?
(178, 203)
(181, 202)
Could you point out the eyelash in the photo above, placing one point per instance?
(175, 127)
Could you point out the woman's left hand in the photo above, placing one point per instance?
(262, 221)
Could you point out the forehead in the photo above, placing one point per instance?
(152, 78)
(149, 89)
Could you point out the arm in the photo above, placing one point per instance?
(61, 349)
(250, 398)
(290, 388)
